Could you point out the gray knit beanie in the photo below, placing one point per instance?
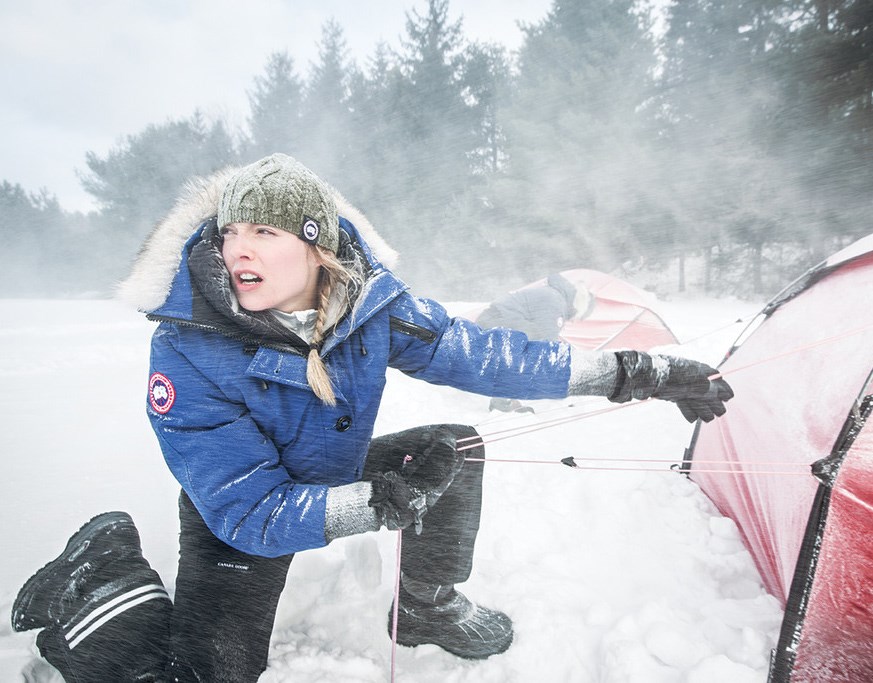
(280, 191)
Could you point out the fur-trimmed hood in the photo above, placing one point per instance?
(160, 257)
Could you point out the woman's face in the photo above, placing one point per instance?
(270, 268)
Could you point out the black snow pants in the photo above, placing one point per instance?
(225, 601)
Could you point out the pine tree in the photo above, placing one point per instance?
(326, 117)
(826, 120)
(140, 178)
(54, 253)
(719, 102)
(275, 109)
(377, 155)
(486, 79)
(579, 169)
(435, 129)
(436, 121)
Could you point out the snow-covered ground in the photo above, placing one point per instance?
(609, 576)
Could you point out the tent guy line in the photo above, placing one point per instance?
(799, 349)
(395, 608)
(711, 332)
(574, 458)
(475, 441)
(570, 461)
(500, 435)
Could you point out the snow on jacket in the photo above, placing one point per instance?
(238, 425)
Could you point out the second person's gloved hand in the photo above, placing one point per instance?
(680, 380)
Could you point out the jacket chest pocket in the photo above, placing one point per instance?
(284, 368)
(290, 369)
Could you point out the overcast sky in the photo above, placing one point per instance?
(80, 75)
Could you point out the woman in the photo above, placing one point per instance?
(277, 326)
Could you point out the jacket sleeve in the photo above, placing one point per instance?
(428, 344)
(229, 468)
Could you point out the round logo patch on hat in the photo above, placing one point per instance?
(310, 231)
(162, 394)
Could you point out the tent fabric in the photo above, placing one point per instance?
(622, 315)
(801, 373)
(836, 639)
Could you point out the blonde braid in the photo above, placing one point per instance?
(333, 273)
(316, 371)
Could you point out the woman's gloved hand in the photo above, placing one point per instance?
(402, 498)
(680, 380)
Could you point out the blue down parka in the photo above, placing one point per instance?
(237, 423)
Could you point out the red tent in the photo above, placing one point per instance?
(621, 316)
(799, 449)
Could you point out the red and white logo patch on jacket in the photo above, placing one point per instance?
(162, 393)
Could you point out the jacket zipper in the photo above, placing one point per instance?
(413, 330)
(245, 339)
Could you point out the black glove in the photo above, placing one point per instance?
(402, 498)
(684, 382)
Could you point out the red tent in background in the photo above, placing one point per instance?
(803, 377)
(621, 315)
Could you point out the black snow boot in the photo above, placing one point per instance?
(105, 538)
(104, 611)
(453, 622)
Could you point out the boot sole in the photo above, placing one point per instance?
(77, 544)
(457, 651)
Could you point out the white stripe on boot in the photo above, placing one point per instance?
(114, 607)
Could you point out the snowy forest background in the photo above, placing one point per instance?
(721, 146)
